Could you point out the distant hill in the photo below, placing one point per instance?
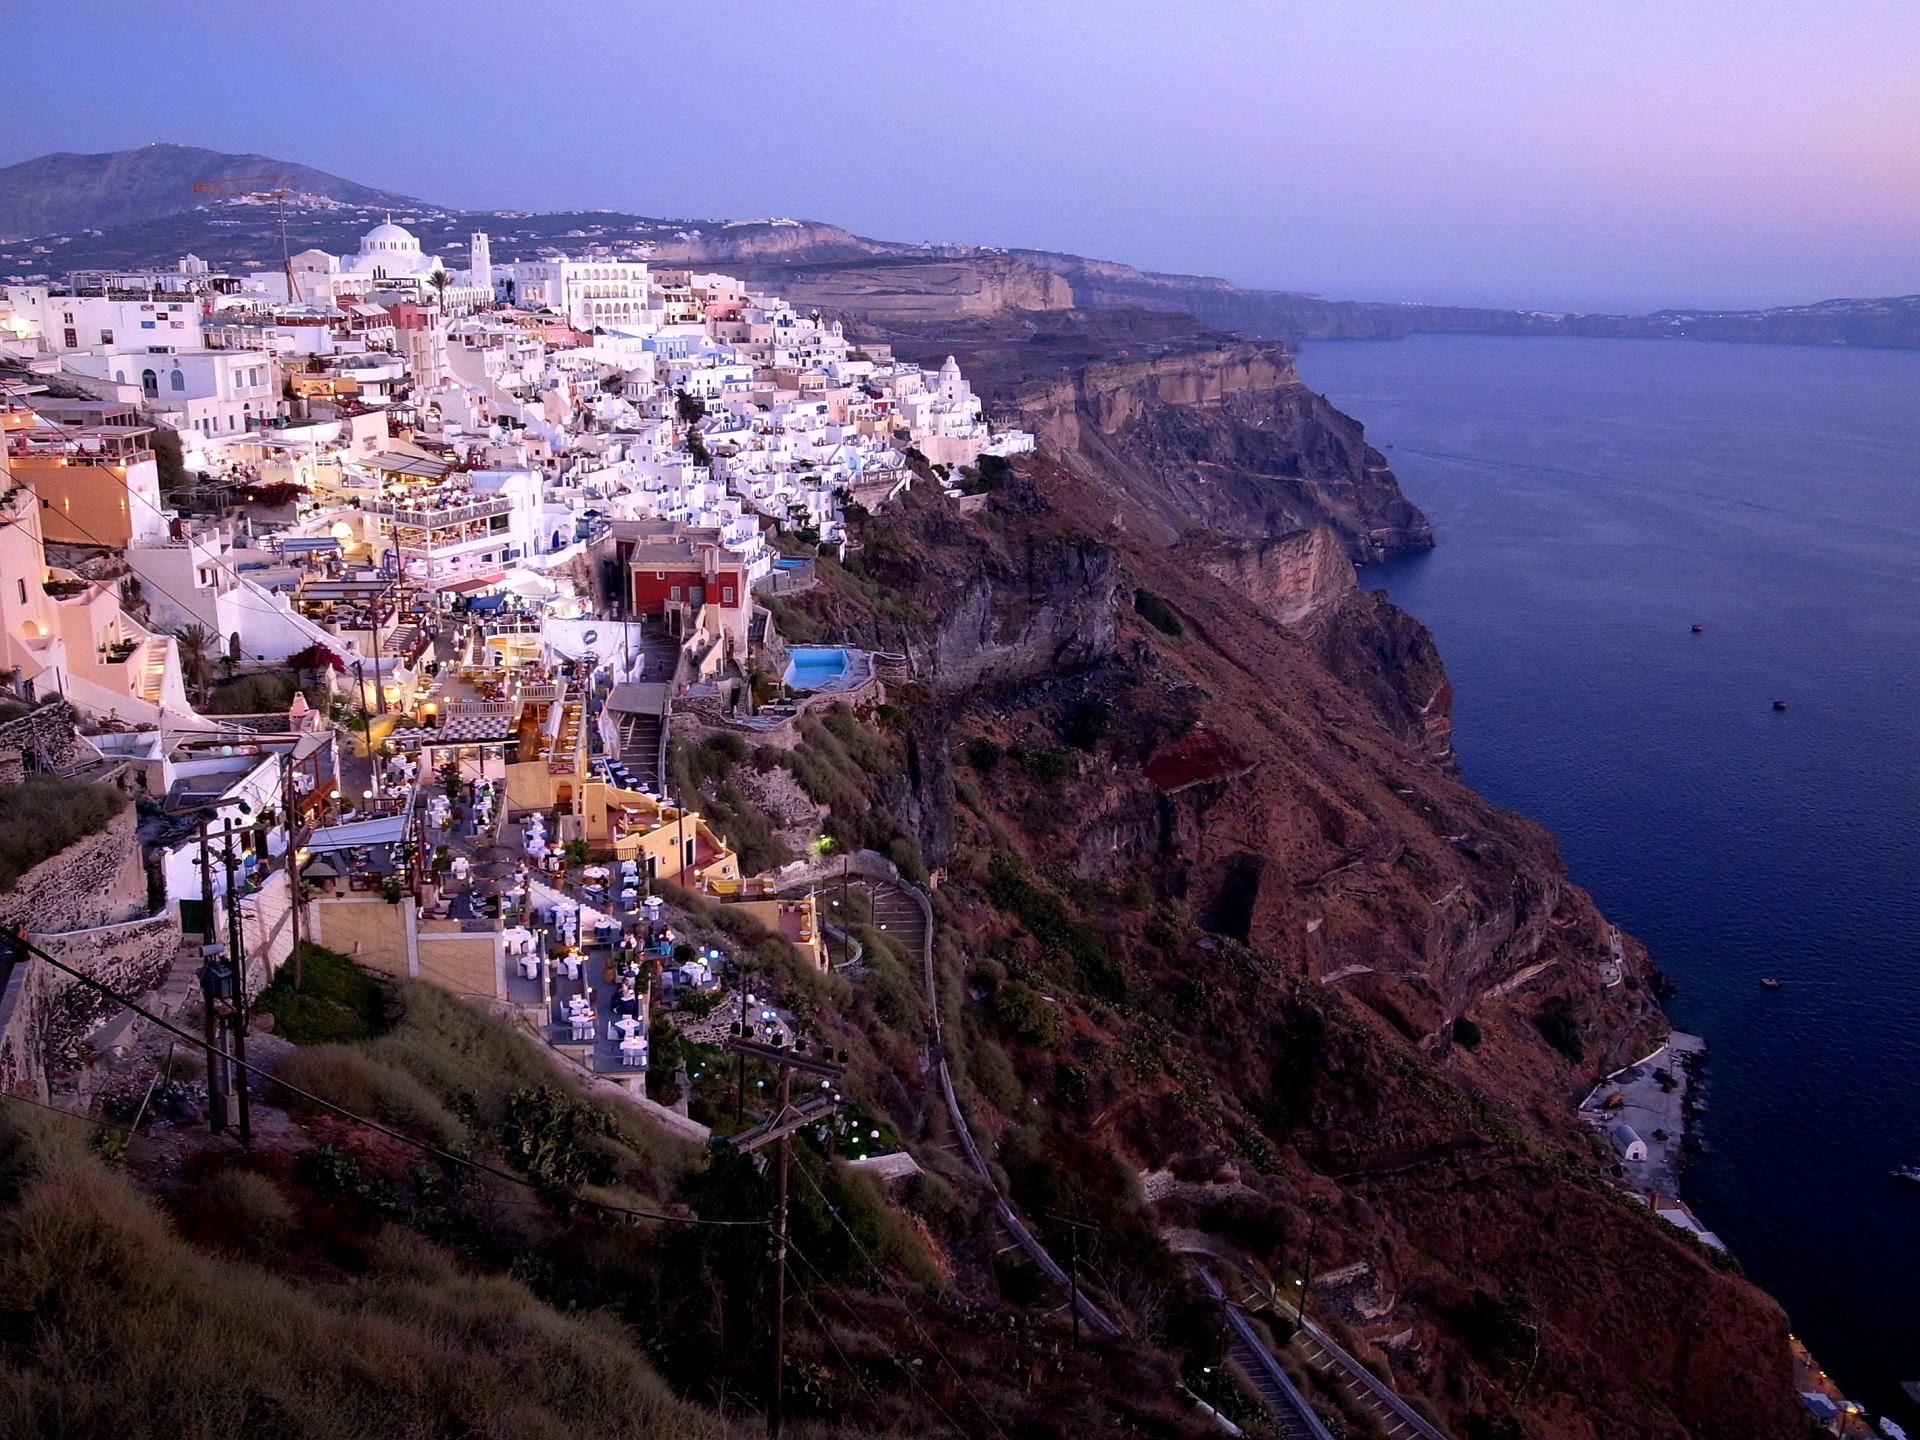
(134, 208)
(59, 193)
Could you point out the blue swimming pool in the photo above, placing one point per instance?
(810, 667)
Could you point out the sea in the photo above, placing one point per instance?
(1593, 500)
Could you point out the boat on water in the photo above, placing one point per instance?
(1698, 628)
(1769, 983)
(1907, 1172)
(1779, 704)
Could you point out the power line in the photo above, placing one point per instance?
(446, 1155)
(874, 1265)
(904, 1369)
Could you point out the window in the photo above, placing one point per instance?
(728, 594)
(674, 593)
(106, 337)
(178, 381)
(23, 592)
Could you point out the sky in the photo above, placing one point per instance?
(1555, 154)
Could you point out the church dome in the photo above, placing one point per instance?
(388, 237)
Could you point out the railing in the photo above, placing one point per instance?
(430, 517)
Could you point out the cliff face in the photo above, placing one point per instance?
(894, 288)
(1313, 972)
(1186, 430)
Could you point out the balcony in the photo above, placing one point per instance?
(434, 514)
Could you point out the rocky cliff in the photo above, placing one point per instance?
(1192, 786)
(1187, 430)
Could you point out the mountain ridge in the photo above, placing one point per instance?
(66, 190)
(824, 264)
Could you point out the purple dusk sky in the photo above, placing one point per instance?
(1545, 153)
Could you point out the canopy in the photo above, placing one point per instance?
(384, 830)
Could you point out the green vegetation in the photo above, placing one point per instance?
(707, 770)
(1026, 1013)
(44, 816)
(251, 695)
(984, 753)
(1065, 944)
(337, 1001)
(1157, 613)
(125, 1324)
(1561, 1029)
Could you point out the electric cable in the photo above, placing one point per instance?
(906, 1309)
(906, 1370)
(448, 1156)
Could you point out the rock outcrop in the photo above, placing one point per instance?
(1184, 430)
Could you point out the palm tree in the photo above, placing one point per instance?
(197, 645)
(440, 280)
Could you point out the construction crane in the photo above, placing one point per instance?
(260, 187)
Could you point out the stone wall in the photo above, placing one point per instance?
(46, 1015)
(46, 737)
(96, 881)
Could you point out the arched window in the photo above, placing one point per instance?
(178, 381)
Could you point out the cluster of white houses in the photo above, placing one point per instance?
(590, 460)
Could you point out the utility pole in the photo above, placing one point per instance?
(780, 1128)
(288, 803)
(1074, 1227)
(237, 948)
(213, 989)
(366, 725)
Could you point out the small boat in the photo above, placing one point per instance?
(1779, 704)
(1770, 983)
(1907, 1172)
(1698, 628)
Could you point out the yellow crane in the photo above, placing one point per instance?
(260, 187)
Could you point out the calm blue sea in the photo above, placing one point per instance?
(1593, 499)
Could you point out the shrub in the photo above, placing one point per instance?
(1086, 724)
(1042, 762)
(336, 1002)
(44, 816)
(1561, 1030)
(250, 695)
(983, 754)
(1026, 1013)
(1157, 613)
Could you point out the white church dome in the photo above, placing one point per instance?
(388, 237)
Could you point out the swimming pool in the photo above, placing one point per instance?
(812, 667)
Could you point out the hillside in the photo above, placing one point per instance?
(63, 192)
(135, 208)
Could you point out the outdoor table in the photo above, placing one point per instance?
(572, 962)
(633, 1052)
(529, 967)
(582, 1025)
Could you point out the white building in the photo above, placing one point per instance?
(590, 293)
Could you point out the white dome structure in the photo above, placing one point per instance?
(390, 251)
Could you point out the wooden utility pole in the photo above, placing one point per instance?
(1074, 1227)
(237, 950)
(295, 838)
(780, 1128)
(209, 958)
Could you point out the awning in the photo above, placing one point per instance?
(420, 466)
(315, 545)
(487, 604)
(386, 830)
(469, 584)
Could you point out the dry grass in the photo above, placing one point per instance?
(111, 1324)
(45, 815)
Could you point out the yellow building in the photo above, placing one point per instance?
(97, 486)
